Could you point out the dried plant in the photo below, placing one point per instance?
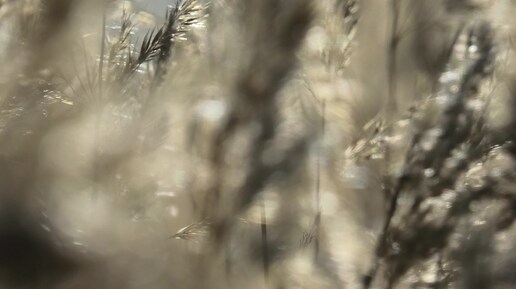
(195, 231)
(308, 144)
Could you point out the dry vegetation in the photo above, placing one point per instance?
(282, 144)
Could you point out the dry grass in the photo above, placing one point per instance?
(257, 144)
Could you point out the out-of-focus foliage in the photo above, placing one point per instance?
(257, 144)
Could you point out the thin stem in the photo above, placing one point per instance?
(392, 105)
(265, 255)
(98, 119)
(317, 221)
(102, 49)
(389, 110)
